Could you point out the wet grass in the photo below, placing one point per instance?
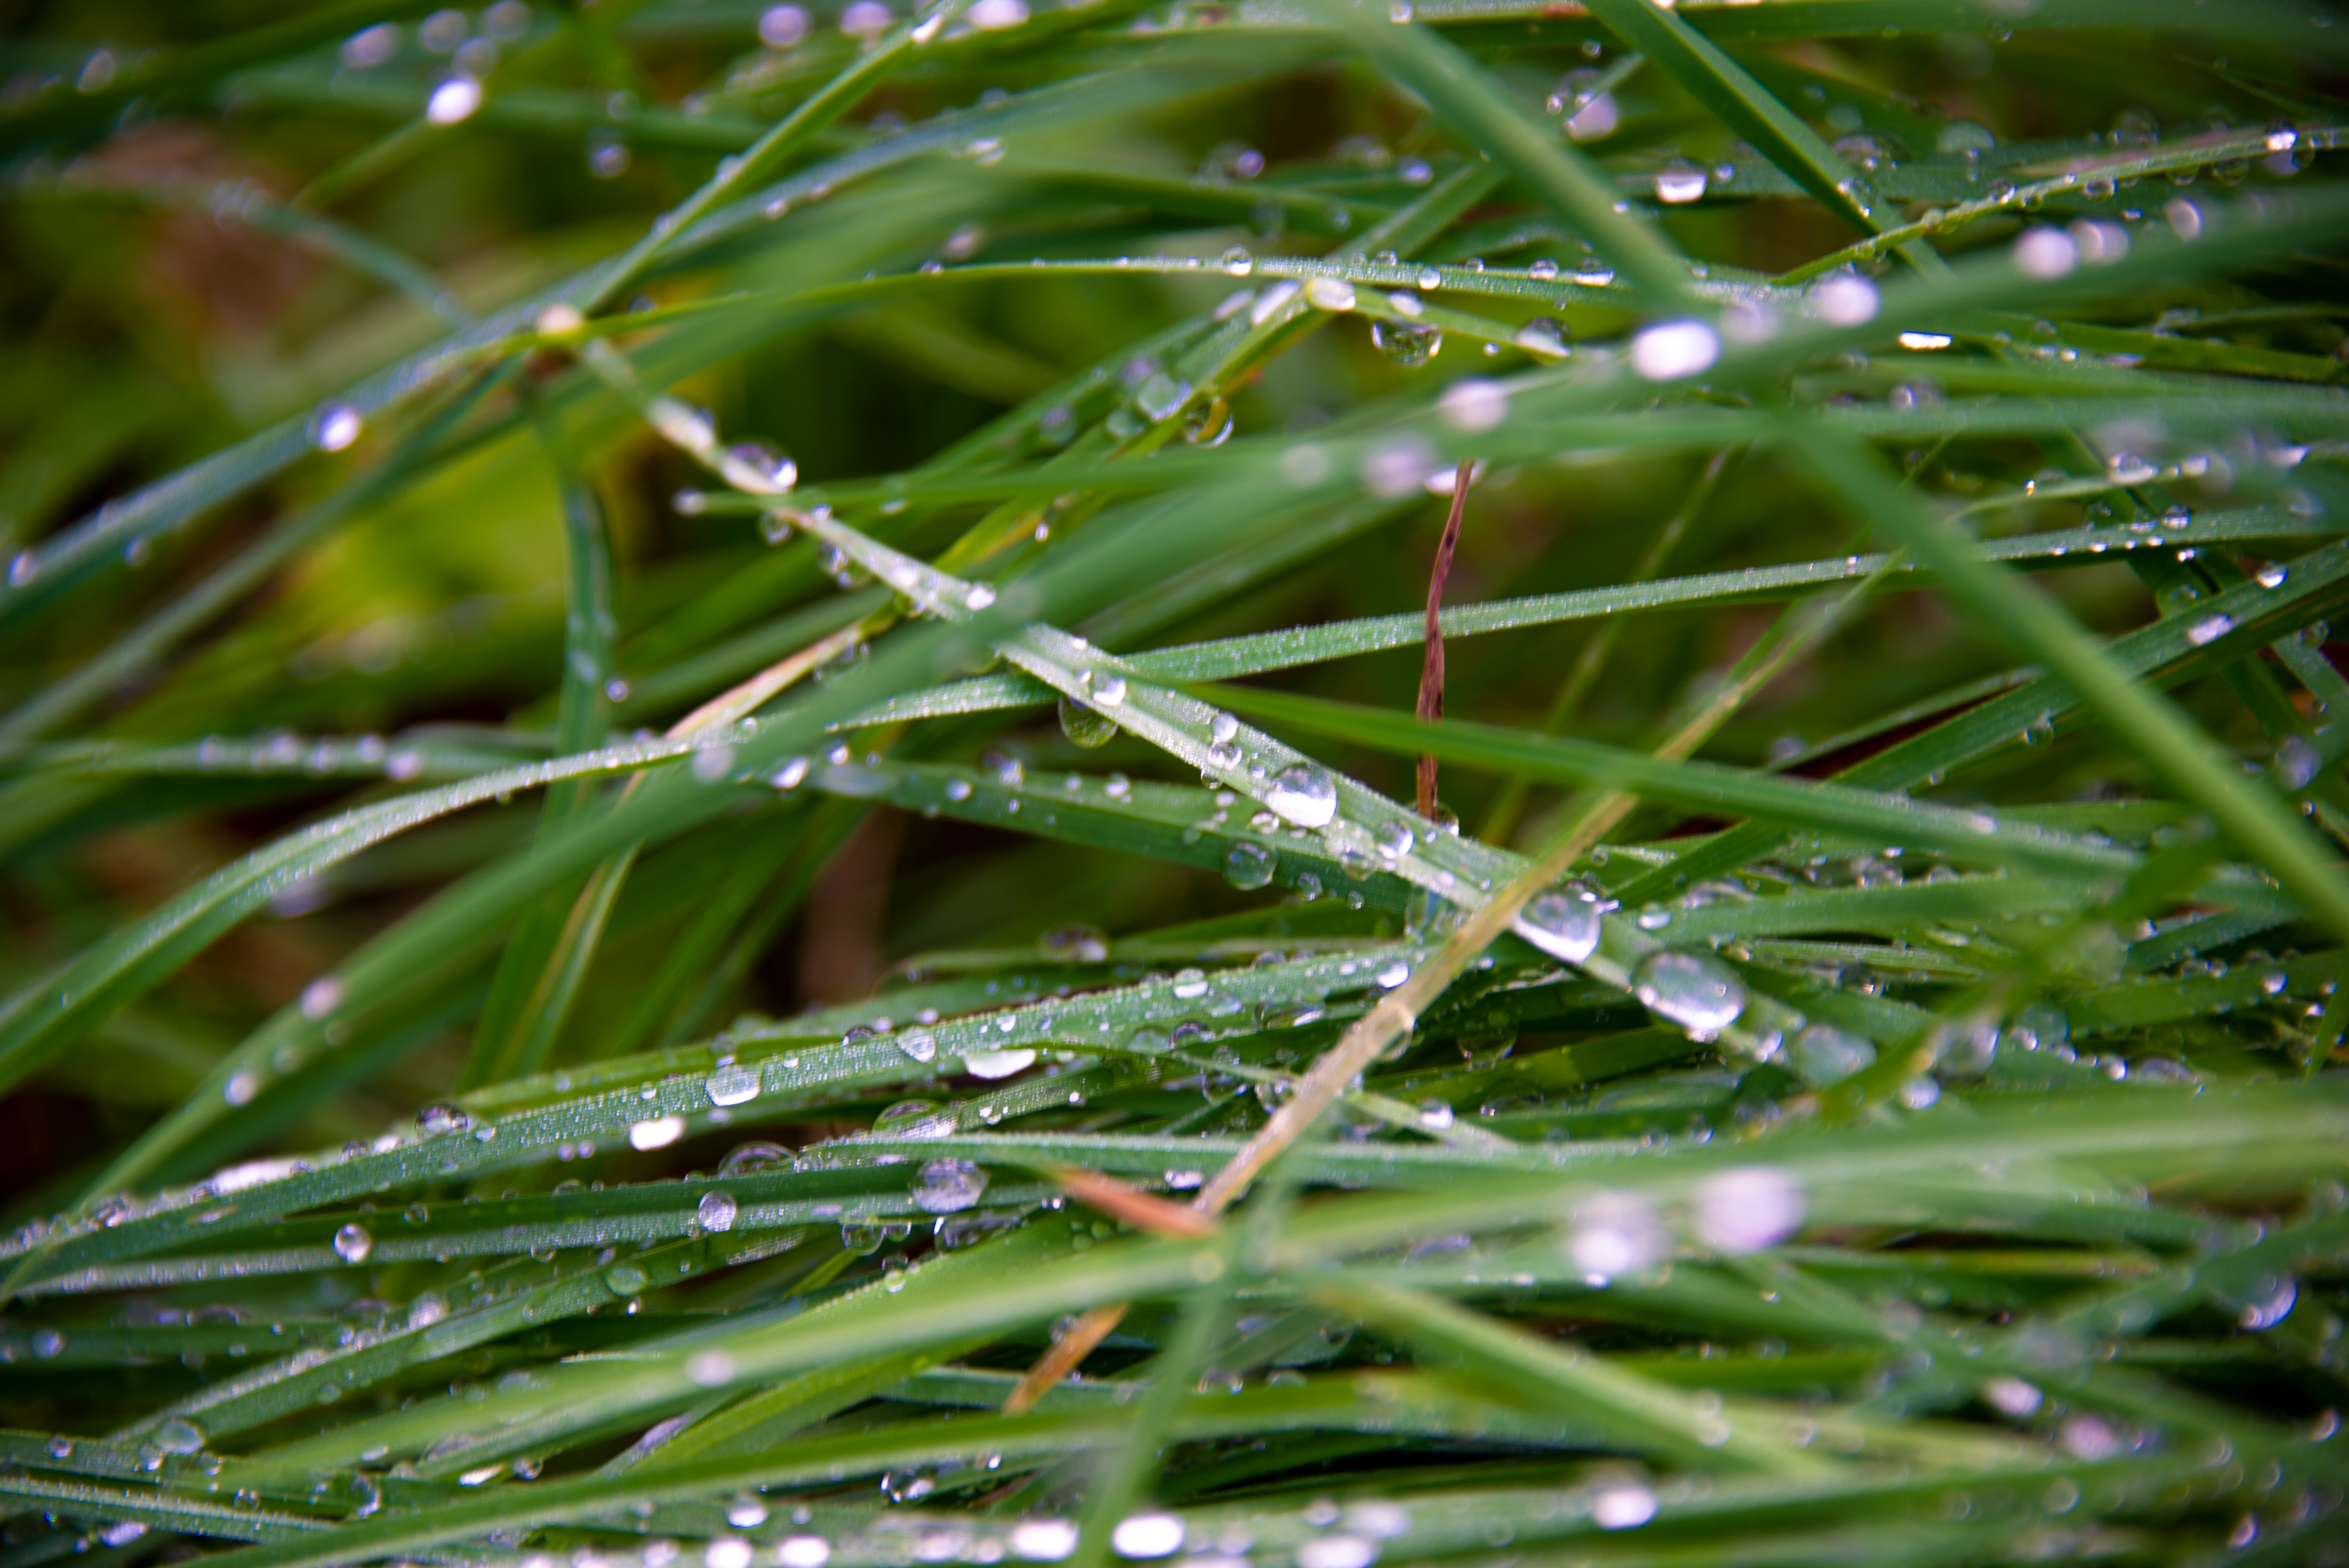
(728, 828)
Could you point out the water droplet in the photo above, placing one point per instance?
(1147, 1535)
(2012, 1397)
(1043, 1540)
(732, 1085)
(1248, 866)
(180, 1435)
(1304, 794)
(1623, 1507)
(1474, 405)
(1393, 972)
(352, 1244)
(1596, 116)
(1613, 1234)
(1823, 1055)
(437, 1119)
(1563, 925)
(914, 1119)
(453, 100)
(1209, 423)
(1329, 293)
(1694, 990)
(1544, 337)
(335, 427)
(1336, 1552)
(1672, 350)
(997, 1063)
(2045, 253)
(783, 27)
(1162, 396)
(2297, 763)
(919, 1043)
(1749, 1208)
(2209, 629)
(948, 1186)
(716, 1210)
(1084, 727)
(1679, 182)
(624, 1279)
(748, 1159)
(656, 1133)
(2271, 1303)
(1846, 300)
(1965, 138)
(1407, 346)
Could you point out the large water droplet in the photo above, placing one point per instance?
(1623, 1507)
(760, 468)
(1823, 1055)
(1614, 1233)
(1679, 182)
(1407, 346)
(335, 427)
(1084, 727)
(915, 1118)
(1043, 1540)
(732, 1085)
(437, 1119)
(1749, 1208)
(352, 1244)
(716, 1210)
(1544, 337)
(748, 1159)
(2209, 629)
(1147, 1535)
(1329, 293)
(948, 1186)
(180, 1435)
(1248, 866)
(1565, 926)
(997, 1063)
(1336, 1552)
(1694, 990)
(1304, 794)
(657, 1134)
(1162, 396)
(2045, 253)
(1672, 350)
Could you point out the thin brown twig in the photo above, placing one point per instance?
(1316, 1089)
(1397, 1013)
(1143, 1211)
(1431, 670)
